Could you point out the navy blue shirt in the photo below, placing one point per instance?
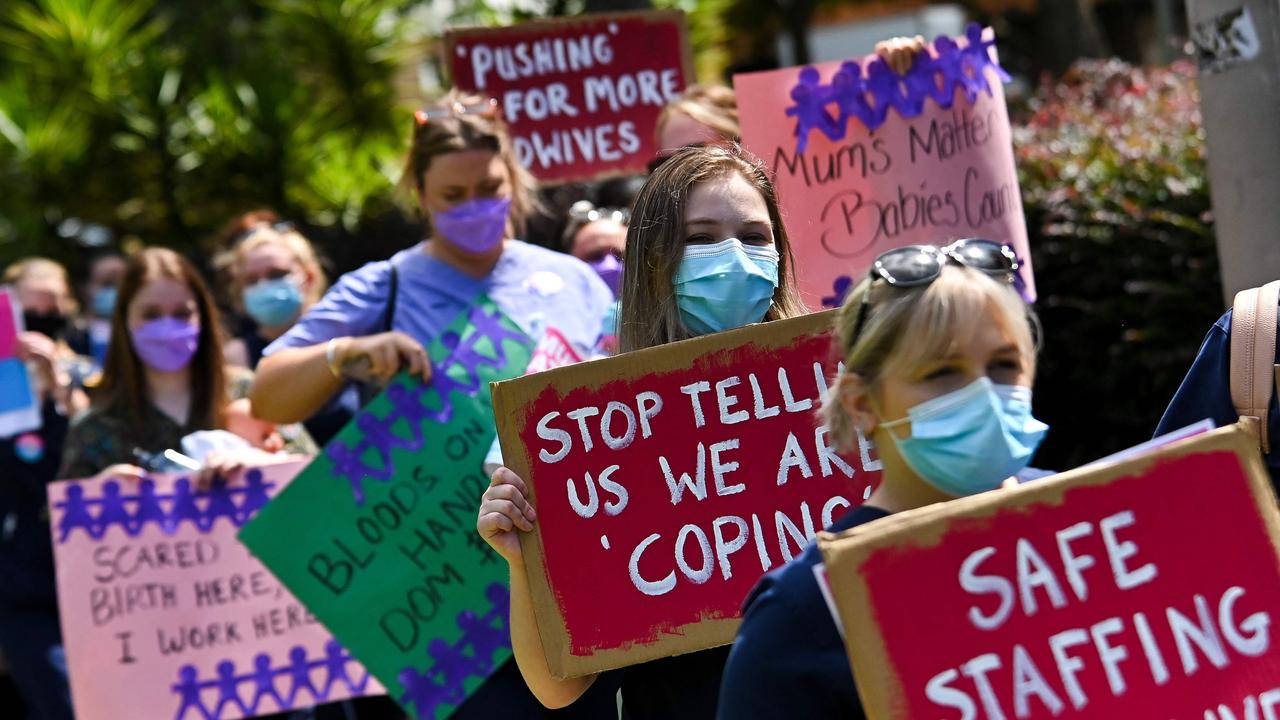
(789, 660)
(1206, 393)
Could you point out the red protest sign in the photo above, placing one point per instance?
(582, 95)
(866, 160)
(1144, 588)
(667, 481)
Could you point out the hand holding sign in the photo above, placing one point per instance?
(505, 508)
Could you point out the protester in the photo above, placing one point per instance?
(275, 277)
(474, 196)
(105, 271)
(30, 635)
(1205, 392)
(597, 236)
(724, 263)
(702, 115)
(939, 358)
(164, 377)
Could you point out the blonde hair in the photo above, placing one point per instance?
(304, 253)
(469, 131)
(907, 327)
(715, 106)
(655, 244)
(33, 268)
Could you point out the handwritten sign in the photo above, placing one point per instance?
(377, 536)
(581, 95)
(1145, 588)
(19, 411)
(866, 160)
(166, 615)
(667, 481)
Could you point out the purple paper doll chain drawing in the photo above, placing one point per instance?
(866, 92)
(410, 408)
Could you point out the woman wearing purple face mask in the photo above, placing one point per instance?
(474, 197)
(164, 376)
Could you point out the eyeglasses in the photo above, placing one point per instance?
(584, 212)
(487, 108)
(916, 265)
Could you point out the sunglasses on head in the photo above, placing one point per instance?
(916, 265)
(585, 212)
(486, 108)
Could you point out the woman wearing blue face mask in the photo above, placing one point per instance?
(939, 356)
(474, 196)
(706, 251)
(275, 278)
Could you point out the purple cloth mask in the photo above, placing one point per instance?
(166, 344)
(475, 226)
(609, 268)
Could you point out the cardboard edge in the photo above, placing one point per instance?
(880, 689)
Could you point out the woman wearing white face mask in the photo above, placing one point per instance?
(939, 356)
(706, 251)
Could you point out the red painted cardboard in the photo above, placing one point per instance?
(624, 567)
(1144, 588)
(581, 95)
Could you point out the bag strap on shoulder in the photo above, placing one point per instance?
(1253, 349)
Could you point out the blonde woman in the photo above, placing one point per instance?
(706, 251)
(939, 358)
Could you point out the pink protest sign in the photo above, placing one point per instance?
(866, 160)
(165, 614)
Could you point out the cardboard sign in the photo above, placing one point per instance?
(377, 536)
(1145, 588)
(667, 481)
(19, 411)
(166, 615)
(866, 160)
(581, 95)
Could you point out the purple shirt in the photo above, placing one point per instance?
(534, 286)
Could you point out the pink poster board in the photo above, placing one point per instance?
(165, 614)
(866, 160)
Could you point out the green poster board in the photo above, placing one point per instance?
(377, 535)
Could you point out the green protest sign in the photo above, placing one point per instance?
(377, 535)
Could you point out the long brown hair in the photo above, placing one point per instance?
(655, 245)
(123, 390)
(461, 131)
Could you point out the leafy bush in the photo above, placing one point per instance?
(1114, 181)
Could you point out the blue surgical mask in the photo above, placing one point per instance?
(970, 440)
(104, 301)
(725, 285)
(272, 303)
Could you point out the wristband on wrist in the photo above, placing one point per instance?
(330, 357)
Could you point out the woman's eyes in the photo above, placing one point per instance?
(939, 373)
(699, 239)
(754, 239)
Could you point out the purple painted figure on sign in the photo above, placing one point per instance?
(336, 660)
(221, 505)
(255, 496)
(184, 505)
(809, 110)
(148, 510)
(75, 514)
(264, 684)
(111, 510)
(228, 689)
(300, 673)
(423, 693)
(188, 691)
